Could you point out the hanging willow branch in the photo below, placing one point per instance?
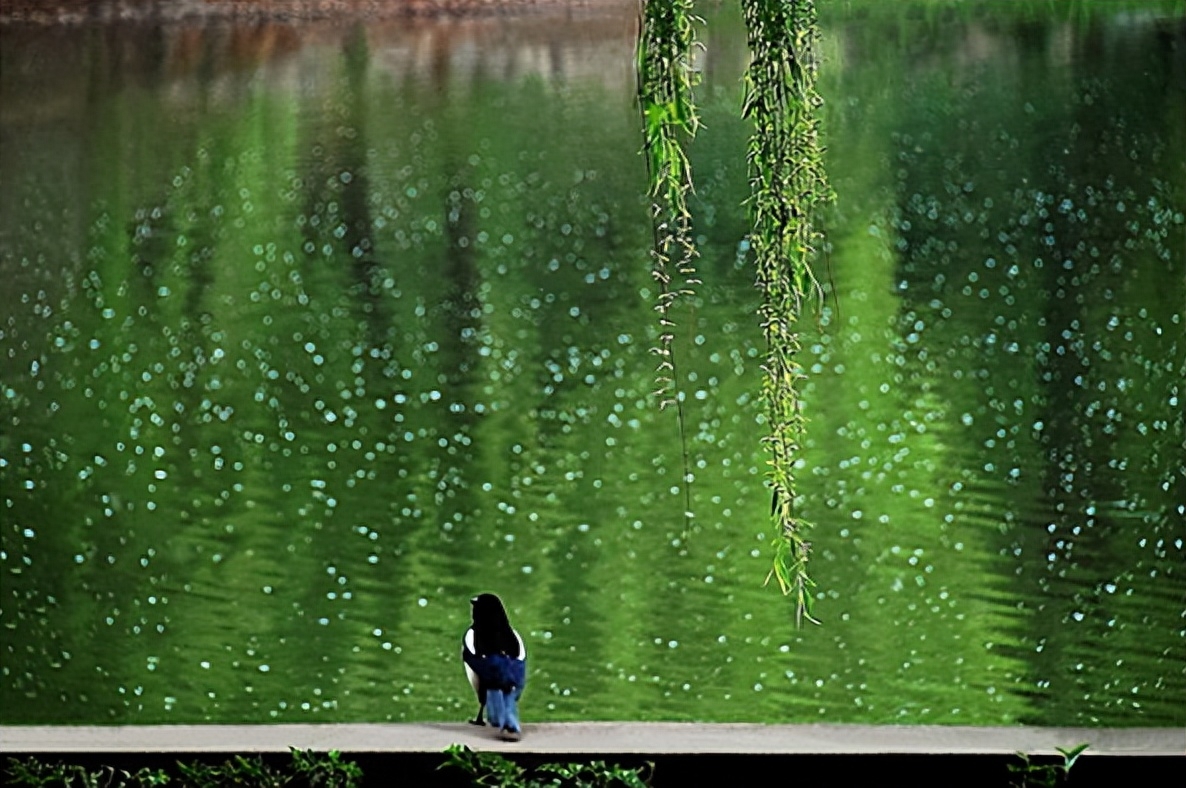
(665, 80)
(787, 182)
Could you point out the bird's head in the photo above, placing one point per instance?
(488, 609)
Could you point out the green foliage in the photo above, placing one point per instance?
(488, 768)
(329, 770)
(32, 772)
(237, 771)
(787, 183)
(665, 82)
(308, 768)
(1046, 775)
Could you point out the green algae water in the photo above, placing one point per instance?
(313, 331)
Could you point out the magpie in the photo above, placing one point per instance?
(496, 664)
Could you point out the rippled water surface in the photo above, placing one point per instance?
(310, 332)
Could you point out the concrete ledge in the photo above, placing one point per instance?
(601, 738)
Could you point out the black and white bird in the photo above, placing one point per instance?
(496, 663)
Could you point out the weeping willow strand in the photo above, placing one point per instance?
(665, 81)
(787, 182)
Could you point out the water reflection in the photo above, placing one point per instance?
(314, 330)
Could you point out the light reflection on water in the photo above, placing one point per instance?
(313, 332)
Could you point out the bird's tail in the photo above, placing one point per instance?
(511, 718)
(496, 707)
(502, 708)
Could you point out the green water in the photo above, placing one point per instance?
(311, 333)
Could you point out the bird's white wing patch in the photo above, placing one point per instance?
(469, 672)
(522, 648)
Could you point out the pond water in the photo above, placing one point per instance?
(311, 331)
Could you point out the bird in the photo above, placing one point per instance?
(495, 661)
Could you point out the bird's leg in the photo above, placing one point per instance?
(478, 719)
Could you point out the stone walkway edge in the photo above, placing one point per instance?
(603, 738)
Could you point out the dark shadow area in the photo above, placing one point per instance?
(672, 771)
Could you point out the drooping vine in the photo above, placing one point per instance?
(787, 183)
(665, 80)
